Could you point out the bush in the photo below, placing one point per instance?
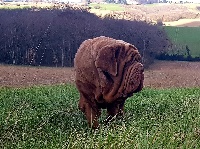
(52, 37)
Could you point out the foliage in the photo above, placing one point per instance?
(48, 117)
(52, 37)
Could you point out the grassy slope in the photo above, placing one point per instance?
(48, 117)
(24, 5)
(112, 7)
(183, 36)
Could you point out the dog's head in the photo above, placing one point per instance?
(133, 72)
(121, 64)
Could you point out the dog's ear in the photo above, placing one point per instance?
(107, 59)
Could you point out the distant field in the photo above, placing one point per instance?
(112, 7)
(184, 23)
(18, 5)
(182, 36)
(104, 9)
(13, 7)
(23, 5)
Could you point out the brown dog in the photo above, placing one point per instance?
(108, 71)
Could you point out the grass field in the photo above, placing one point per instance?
(48, 117)
(24, 5)
(182, 36)
(112, 7)
(14, 7)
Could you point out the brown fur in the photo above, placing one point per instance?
(108, 71)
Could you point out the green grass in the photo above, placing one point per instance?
(182, 36)
(112, 7)
(48, 117)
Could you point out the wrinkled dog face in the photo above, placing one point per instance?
(134, 79)
(133, 74)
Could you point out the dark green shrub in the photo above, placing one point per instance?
(52, 37)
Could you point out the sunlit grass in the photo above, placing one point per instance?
(14, 7)
(48, 117)
(111, 6)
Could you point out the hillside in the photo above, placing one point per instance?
(150, 13)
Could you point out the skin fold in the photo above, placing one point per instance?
(108, 71)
